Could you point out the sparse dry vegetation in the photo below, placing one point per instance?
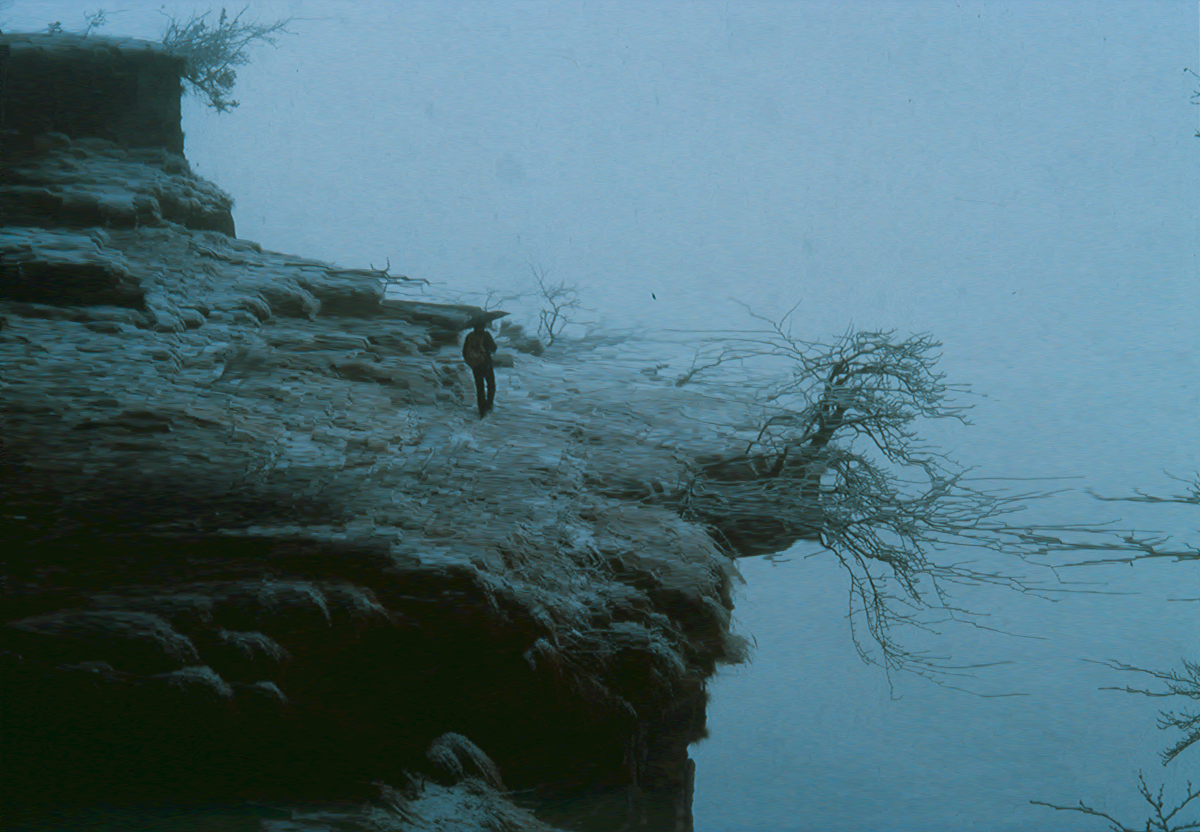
(1161, 819)
(559, 301)
(1183, 683)
(215, 50)
(835, 437)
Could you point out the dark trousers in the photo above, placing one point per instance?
(481, 374)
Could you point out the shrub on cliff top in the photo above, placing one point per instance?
(213, 50)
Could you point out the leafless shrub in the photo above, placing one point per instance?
(559, 301)
(835, 437)
(1131, 548)
(95, 21)
(1162, 818)
(384, 276)
(1185, 683)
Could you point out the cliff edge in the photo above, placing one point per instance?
(258, 546)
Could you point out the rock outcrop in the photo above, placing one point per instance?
(256, 545)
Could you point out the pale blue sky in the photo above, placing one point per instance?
(1018, 178)
(906, 161)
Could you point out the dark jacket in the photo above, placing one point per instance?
(489, 345)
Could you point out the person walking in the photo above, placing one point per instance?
(477, 351)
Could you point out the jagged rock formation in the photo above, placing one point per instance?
(255, 541)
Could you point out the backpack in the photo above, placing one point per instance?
(474, 351)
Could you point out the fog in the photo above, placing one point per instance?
(1018, 179)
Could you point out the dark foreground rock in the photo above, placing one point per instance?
(257, 546)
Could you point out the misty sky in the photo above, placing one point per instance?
(1020, 179)
(924, 158)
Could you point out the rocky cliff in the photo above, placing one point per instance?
(257, 545)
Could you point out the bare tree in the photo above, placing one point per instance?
(1161, 819)
(560, 299)
(214, 50)
(835, 446)
(1184, 683)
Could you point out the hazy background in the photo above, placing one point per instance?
(1019, 179)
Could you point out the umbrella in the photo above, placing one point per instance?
(485, 318)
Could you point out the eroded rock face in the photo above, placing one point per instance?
(257, 544)
(92, 182)
(89, 86)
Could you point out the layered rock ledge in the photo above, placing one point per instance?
(257, 545)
